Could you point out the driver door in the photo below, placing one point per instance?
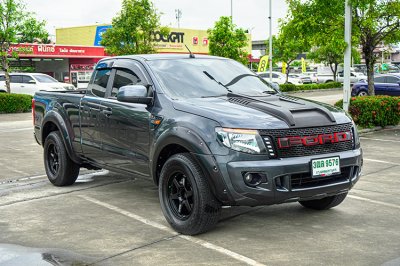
(126, 132)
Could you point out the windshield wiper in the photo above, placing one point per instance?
(212, 78)
(270, 92)
(233, 81)
(236, 79)
(212, 96)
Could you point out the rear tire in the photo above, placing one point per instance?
(186, 199)
(324, 203)
(60, 169)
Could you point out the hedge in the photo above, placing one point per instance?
(305, 87)
(371, 111)
(15, 103)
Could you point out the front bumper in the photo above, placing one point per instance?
(288, 179)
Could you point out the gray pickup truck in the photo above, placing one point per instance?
(206, 130)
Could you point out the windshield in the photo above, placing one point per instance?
(44, 79)
(198, 78)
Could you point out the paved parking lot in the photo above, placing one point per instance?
(110, 219)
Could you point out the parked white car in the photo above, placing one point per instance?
(29, 83)
(313, 76)
(354, 77)
(305, 79)
(279, 78)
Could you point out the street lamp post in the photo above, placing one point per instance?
(178, 15)
(270, 41)
(347, 56)
(232, 11)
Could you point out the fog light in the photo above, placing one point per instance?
(254, 179)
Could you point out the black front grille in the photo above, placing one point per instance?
(301, 150)
(304, 180)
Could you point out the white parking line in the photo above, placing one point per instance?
(379, 161)
(21, 179)
(386, 140)
(375, 201)
(200, 242)
(15, 130)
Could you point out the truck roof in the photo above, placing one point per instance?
(150, 57)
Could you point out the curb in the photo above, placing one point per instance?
(366, 131)
(301, 91)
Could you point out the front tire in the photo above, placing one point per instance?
(186, 199)
(324, 203)
(362, 93)
(60, 169)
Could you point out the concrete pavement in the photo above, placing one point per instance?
(110, 219)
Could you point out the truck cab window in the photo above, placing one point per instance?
(99, 84)
(124, 77)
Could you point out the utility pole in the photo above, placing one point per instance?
(232, 11)
(178, 15)
(347, 56)
(270, 41)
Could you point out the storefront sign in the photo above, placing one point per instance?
(174, 37)
(82, 66)
(59, 51)
(99, 34)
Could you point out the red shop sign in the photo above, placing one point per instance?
(59, 51)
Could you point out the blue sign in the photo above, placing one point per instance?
(99, 32)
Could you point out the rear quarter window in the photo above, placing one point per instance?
(393, 80)
(16, 79)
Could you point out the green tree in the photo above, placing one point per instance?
(227, 40)
(374, 22)
(133, 29)
(13, 27)
(289, 44)
(377, 22)
(325, 35)
(33, 30)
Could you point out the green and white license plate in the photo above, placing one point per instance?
(325, 167)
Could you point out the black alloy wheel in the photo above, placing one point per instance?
(186, 199)
(60, 169)
(180, 198)
(53, 159)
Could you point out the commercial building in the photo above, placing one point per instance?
(67, 63)
(77, 49)
(195, 40)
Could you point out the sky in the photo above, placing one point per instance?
(200, 14)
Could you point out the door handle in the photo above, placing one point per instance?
(107, 111)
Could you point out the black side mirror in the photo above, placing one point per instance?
(134, 94)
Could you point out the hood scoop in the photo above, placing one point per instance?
(294, 112)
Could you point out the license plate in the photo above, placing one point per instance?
(325, 167)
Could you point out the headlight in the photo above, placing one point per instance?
(242, 140)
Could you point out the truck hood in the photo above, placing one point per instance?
(271, 111)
